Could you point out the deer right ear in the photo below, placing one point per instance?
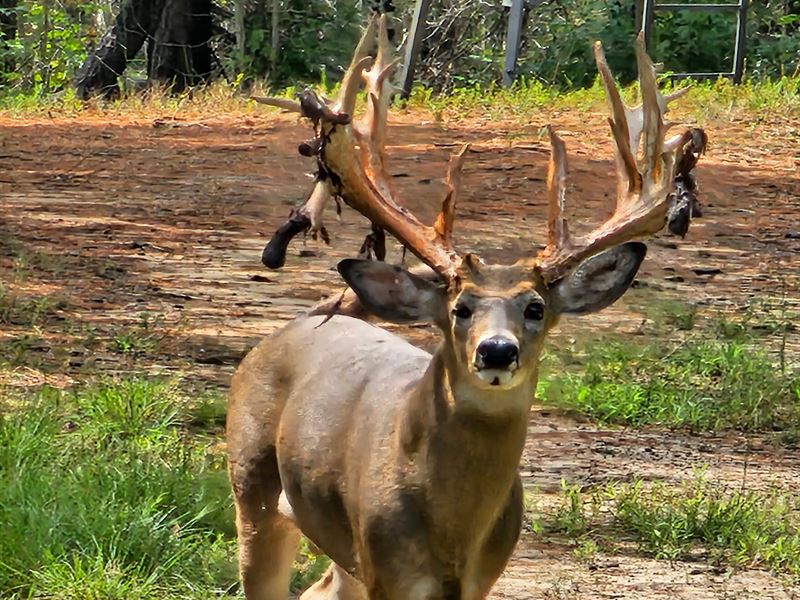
(392, 293)
(598, 281)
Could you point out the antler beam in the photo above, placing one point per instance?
(352, 158)
(645, 185)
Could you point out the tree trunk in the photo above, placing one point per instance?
(8, 31)
(136, 21)
(177, 33)
(181, 51)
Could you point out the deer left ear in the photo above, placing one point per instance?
(392, 293)
(598, 281)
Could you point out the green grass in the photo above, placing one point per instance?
(114, 492)
(733, 527)
(719, 100)
(697, 383)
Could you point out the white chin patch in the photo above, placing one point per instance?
(495, 376)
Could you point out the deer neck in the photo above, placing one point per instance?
(468, 454)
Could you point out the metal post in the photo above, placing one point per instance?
(639, 15)
(513, 40)
(738, 53)
(413, 43)
(647, 21)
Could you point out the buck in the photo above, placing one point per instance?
(402, 466)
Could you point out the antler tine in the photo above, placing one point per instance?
(443, 225)
(370, 130)
(644, 185)
(653, 108)
(557, 229)
(351, 83)
(625, 137)
(379, 87)
(284, 103)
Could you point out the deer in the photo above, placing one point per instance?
(398, 464)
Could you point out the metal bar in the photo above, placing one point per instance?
(699, 75)
(638, 15)
(513, 40)
(698, 7)
(412, 45)
(738, 52)
(647, 21)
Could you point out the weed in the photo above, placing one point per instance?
(24, 311)
(141, 339)
(671, 314)
(17, 351)
(308, 567)
(586, 550)
(570, 519)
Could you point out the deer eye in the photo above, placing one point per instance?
(462, 311)
(534, 312)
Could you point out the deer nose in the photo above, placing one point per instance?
(497, 353)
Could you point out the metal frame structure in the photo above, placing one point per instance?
(650, 7)
(645, 10)
(513, 40)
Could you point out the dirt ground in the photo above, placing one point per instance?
(123, 217)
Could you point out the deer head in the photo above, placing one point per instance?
(495, 317)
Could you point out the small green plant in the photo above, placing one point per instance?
(27, 311)
(586, 550)
(141, 339)
(308, 567)
(571, 518)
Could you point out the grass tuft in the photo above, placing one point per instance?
(734, 527)
(102, 496)
(697, 383)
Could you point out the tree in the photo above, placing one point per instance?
(8, 30)
(177, 34)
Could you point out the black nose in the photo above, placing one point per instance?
(497, 352)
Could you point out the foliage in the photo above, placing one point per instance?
(316, 40)
(463, 46)
(466, 42)
(51, 43)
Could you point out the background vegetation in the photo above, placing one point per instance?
(43, 42)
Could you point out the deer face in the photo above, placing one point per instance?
(496, 320)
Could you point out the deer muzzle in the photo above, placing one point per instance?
(496, 359)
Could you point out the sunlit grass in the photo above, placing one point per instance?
(709, 100)
(701, 384)
(111, 492)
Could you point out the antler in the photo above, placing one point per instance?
(645, 185)
(352, 158)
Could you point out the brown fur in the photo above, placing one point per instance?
(401, 466)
